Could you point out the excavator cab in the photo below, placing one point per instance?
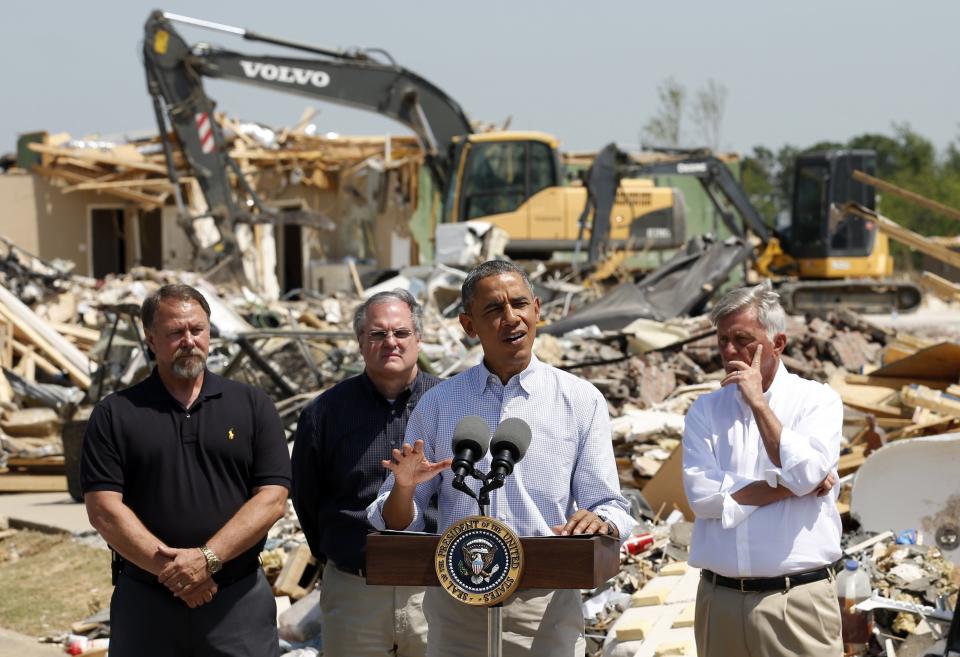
(826, 242)
(515, 180)
(500, 174)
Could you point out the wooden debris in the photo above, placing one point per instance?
(940, 286)
(924, 397)
(299, 575)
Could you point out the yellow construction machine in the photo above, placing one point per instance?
(827, 257)
(514, 180)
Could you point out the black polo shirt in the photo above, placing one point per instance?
(342, 437)
(186, 472)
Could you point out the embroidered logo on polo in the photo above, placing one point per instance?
(230, 434)
(479, 561)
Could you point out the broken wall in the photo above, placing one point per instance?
(37, 216)
(40, 218)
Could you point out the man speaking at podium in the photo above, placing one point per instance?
(566, 483)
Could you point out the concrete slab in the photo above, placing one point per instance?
(14, 644)
(46, 512)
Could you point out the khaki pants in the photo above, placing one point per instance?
(370, 621)
(536, 622)
(801, 622)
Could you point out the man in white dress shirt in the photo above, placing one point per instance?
(759, 469)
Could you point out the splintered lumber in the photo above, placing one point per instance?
(6, 343)
(27, 352)
(6, 391)
(940, 286)
(924, 397)
(655, 592)
(852, 461)
(919, 199)
(94, 185)
(940, 362)
(685, 618)
(917, 241)
(31, 422)
(56, 348)
(96, 156)
(636, 623)
(893, 382)
(32, 483)
(892, 229)
(299, 574)
(128, 194)
(675, 568)
(675, 648)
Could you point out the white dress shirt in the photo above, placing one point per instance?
(568, 466)
(723, 452)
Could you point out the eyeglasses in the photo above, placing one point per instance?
(399, 334)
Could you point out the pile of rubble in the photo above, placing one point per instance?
(66, 341)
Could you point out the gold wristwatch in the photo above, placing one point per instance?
(213, 561)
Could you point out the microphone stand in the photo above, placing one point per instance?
(491, 482)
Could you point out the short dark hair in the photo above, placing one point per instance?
(177, 292)
(399, 294)
(485, 270)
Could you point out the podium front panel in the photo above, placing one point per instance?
(395, 559)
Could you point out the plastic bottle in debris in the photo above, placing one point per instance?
(853, 587)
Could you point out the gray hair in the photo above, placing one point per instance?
(399, 294)
(761, 297)
(485, 270)
(177, 292)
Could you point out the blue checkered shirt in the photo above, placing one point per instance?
(568, 466)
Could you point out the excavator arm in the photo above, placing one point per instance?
(861, 294)
(175, 73)
(612, 165)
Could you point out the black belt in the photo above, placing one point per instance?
(761, 584)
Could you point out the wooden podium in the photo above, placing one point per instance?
(553, 562)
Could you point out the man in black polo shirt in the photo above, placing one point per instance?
(183, 474)
(342, 438)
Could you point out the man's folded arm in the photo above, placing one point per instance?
(711, 491)
(810, 451)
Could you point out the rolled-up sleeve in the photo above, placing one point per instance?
(708, 487)
(811, 449)
(424, 492)
(595, 484)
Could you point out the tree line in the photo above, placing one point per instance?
(904, 158)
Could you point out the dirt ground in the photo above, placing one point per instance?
(49, 582)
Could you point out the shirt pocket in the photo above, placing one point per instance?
(548, 463)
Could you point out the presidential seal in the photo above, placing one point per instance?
(479, 561)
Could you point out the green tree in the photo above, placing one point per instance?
(758, 177)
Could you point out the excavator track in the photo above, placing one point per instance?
(867, 296)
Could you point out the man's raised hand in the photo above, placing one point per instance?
(411, 467)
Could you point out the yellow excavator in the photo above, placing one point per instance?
(514, 180)
(826, 258)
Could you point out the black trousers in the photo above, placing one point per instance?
(146, 620)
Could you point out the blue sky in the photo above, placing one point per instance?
(586, 72)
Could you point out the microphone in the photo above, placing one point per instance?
(471, 438)
(510, 443)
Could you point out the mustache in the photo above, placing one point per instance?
(188, 353)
